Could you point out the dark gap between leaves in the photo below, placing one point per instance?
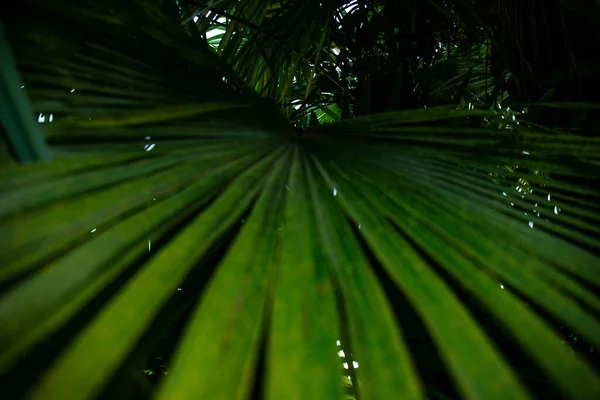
(569, 238)
(345, 342)
(81, 240)
(570, 337)
(26, 371)
(566, 203)
(105, 186)
(542, 227)
(525, 368)
(432, 371)
(259, 386)
(147, 364)
(84, 238)
(587, 285)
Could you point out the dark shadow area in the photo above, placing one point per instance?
(259, 387)
(533, 378)
(116, 219)
(25, 372)
(345, 342)
(148, 363)
(432, 371)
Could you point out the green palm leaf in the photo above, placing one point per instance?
(179, 205)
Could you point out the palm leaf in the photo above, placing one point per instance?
(177, 197)
(25, 137)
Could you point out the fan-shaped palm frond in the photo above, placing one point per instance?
(179, 205)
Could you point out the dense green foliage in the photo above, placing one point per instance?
(300, 199)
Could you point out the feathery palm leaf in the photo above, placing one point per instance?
(180, 205)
